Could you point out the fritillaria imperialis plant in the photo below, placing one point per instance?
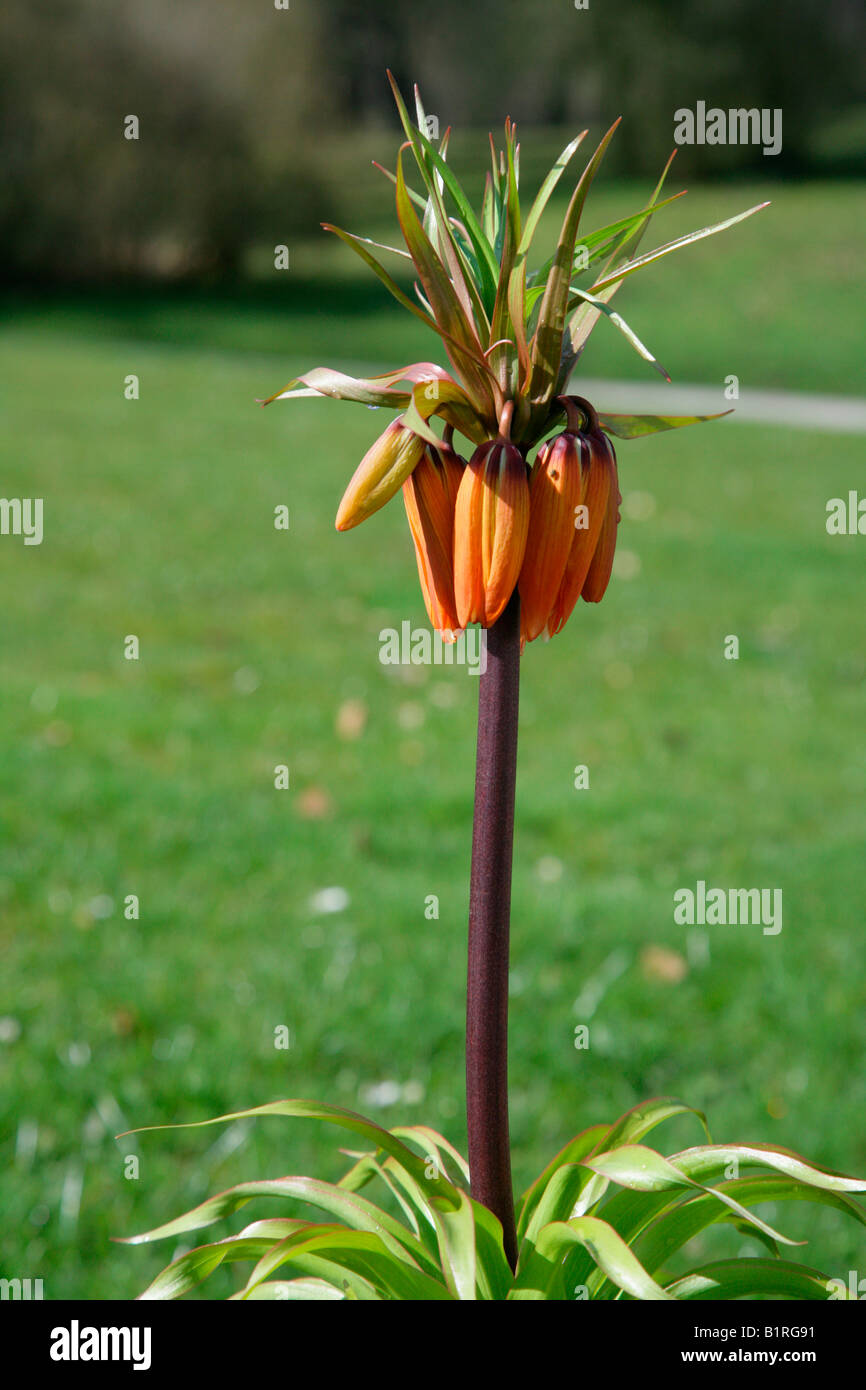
(510, 539)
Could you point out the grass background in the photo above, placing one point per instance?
(260, 647)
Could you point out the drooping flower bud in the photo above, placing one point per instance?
(598, 574)
(596, 515)
(490, 525)
(381, 473)
(555, 492)
(430, 495)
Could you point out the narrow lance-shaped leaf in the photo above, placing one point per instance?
(358, 1251)
(573, 1152)
(465, 291)
(646, 1116)
(191, 1269)
(671, 1230)
(634, 426)
(501, 326)
(546, 348)
(628, 333)
(544, 192)
(344, 1119)
(482, 247)
(608, 1251)
(448, 400)
(584, 318)
(441, 295)
(375, 390)
(757, 1279)
(631, 266)
(642, 1169)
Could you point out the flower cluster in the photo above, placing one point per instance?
(513, 336)
(483, 528)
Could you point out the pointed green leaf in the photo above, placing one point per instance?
(729, 1279)
(670, 1231)
(575, 1150)
(642, 1169)
(438, 1187)
(547, 344)
(541, 198)
(634, 426)
(608, 1250)
(643, 1118)
(631, 266)
(195, 1266)
(620, 323)
(291, 1290)
(357, 1252)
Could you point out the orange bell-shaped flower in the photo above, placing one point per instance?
(381, 473)
(491, 521)
(590, 557)
(555, 494)
(430, 495)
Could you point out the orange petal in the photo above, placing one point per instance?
(430, 494)
(555, 489)
(598, 574)
(468, 579)
(381, 472)
(504, 527)
(596, 487)
(491, 521)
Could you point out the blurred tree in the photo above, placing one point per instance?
(246, 112)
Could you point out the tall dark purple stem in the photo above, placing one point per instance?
(489, 923)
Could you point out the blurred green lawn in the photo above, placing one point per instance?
(260, 647)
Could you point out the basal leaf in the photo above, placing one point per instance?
(753, 1278)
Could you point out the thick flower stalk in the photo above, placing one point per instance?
(508, 540)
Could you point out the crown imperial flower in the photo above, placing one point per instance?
(430, 495)
(491, 521)
(513, 335)
(382, 471)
